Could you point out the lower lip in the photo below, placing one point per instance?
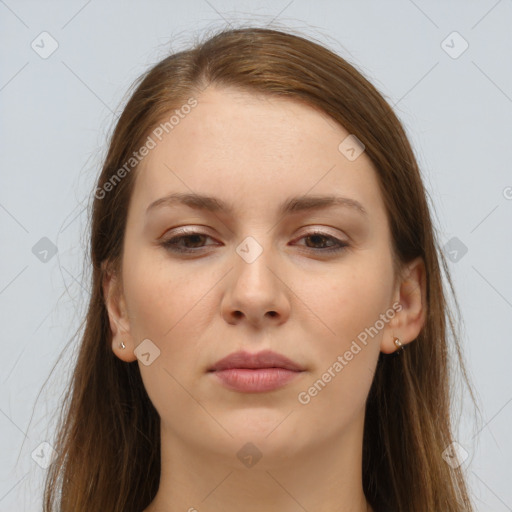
(257, 380)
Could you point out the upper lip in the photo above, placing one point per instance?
(264, 359)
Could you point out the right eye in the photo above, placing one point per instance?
(190, 238)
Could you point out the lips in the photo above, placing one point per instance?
(264, 359)
(263, 372)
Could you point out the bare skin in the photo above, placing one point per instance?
(255, 152)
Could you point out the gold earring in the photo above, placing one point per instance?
(122, 345)
(398, 344)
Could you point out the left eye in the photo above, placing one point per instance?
(195, 239)
(338, 245)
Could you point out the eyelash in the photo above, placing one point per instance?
(170, 244)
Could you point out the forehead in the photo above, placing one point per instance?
(250, 148)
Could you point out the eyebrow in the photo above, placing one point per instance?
(289, 206)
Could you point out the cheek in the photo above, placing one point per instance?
(164, 305)
(353, 297)
(159, 296)
(173, 305)
(350, 305)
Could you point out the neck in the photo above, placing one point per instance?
(269, 474)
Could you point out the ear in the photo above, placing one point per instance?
(410, 293)
(118, 315)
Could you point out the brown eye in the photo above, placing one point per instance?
(319, 238)
(192, 242)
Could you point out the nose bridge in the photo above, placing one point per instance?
(254, 260)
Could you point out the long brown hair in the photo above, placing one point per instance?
(108, 440)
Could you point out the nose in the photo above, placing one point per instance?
(257, 292)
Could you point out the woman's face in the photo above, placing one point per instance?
(255, 277)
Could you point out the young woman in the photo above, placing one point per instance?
(267, 328)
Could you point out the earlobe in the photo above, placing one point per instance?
(410, 319)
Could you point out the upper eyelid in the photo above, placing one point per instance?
(192, 231)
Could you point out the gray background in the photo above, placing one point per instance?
(56, 114)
